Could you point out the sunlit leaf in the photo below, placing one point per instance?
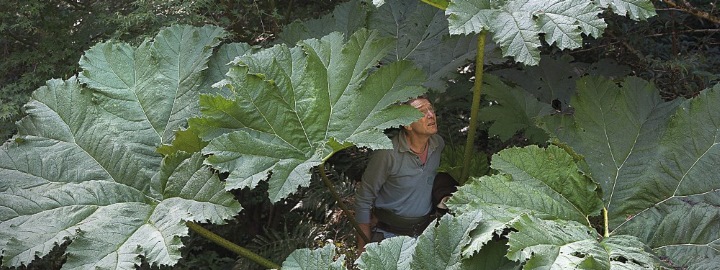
(84, 166)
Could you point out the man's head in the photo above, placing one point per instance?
(425, 126)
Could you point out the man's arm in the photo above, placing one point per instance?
(366, 192)
(365, 228)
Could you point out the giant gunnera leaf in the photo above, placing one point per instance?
(657, 163)
(421, 32)
(294, 107)
(517, 25)
(83, 167)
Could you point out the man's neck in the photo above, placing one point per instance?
(416, 143)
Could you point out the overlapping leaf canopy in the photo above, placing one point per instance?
(293, 107)
(421, 32)
(656, 162)
(84, 168)
(516, 25)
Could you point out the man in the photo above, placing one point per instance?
(397, 184)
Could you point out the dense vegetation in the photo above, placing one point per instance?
(110, 133)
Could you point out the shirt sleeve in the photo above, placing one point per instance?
(375, 175)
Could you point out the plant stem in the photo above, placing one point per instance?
(474, 110)
(441, 4)
(342, 206)
(605, 218)
(231, 246)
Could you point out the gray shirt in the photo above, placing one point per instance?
(395, 179)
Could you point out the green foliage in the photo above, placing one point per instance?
(323, 258)
(43, 39)
(83, 166)
(87, 162)
(451, 162)
(421, 32)
(517, 24)
(654, 160)
(289, 104)
(513, 110)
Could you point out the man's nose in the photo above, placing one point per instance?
(430, 114)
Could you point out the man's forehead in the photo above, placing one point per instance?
(420, 102)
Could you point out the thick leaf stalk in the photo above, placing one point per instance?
(441, 4)
(340, 203)
(477, 90)
(232, 246)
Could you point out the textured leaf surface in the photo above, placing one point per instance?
(440, 247)
(452, 159)
(422, 37)
(656, 161)
(421, 31)
(83, 166)
(573, 246)
(392, 253)
(635, 9)
(516, 25)
(513, 110)
(290, 104)
(323, 258)
(553, 188)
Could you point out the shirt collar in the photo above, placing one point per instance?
(403, 145)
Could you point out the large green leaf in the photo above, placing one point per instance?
(513, 110)
(440, 247)
(392, 253)
(346, 18)
(552, 188)
(420, 29)
(84, 168)
(423, 38)
(656, 161)
(293, 107)
(554, 78)
(561, 244)
(323, 258)
(517, 25)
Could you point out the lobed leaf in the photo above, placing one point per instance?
(516, 25)
(84, 168)
(323, 258)
(392, 253)
(573, 246)
(440, 247)
(655, 161)
(513, 110)
(290, 103)
(553, 188)
(421, 31)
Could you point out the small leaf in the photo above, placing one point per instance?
(635, 9)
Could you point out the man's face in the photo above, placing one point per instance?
(427, 124)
